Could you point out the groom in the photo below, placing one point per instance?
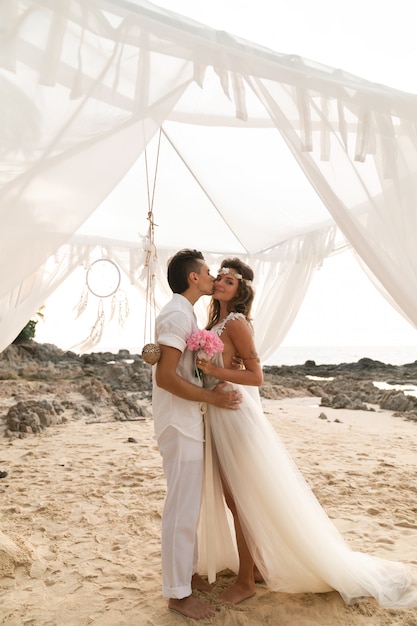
(179, 431)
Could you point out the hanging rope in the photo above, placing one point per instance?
(151, 351)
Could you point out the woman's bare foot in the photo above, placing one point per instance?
(192, 607)
(238, 592)
(200, 584)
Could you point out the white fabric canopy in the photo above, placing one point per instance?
(261, 155)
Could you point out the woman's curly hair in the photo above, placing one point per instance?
(242, 302)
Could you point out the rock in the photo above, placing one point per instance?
(346, 385)
(95, 391)
(394, 400)
(341, 401)
(310, 364)
(13, 555)
(129, 407)
(31, 416)
(35, 361)
(103, 386)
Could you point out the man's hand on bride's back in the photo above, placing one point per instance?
(226, 397)
(237, 362)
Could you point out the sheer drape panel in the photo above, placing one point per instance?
(17, 307)
(282, 278)
(66, 117)
(21, 304)
(372, 199)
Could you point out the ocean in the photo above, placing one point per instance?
(322, 355)
(332, 355)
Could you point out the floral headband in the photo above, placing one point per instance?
(233, 272)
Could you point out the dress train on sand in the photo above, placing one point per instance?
(295, 545)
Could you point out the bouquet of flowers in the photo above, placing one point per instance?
(206, 343)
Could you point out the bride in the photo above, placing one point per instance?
(259, 517)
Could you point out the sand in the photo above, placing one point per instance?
(81, 511)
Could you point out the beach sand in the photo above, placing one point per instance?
(81, 510)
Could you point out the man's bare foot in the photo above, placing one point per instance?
(192, 607)
(238, 592)
(200, 583)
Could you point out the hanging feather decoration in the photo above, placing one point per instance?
(81, 306)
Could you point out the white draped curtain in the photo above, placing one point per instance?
(85, 88)
(281, 280)
(363, 164)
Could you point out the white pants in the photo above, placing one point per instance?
(183, 460)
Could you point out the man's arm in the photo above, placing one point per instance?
(167, 378)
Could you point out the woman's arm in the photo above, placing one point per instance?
(238, 335)
(167, 378)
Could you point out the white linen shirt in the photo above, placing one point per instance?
(174, 325)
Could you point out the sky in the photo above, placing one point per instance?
(374, 39)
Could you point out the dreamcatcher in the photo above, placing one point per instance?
(151, 351)
(102, 281)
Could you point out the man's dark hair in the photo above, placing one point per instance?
(180, 266)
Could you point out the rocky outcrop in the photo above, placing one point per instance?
(347, 385)
(394, 400)
(36, 361)
(45, 386)
(42, 385)
(33, 416)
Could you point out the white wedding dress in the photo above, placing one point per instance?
(294, 543)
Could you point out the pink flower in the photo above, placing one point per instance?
(206, 342)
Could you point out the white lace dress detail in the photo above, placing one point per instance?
(219, 328)
(209, 381)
